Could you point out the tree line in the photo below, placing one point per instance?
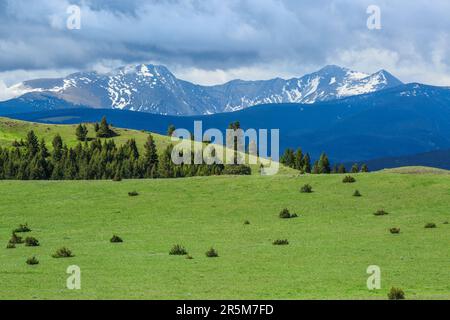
(95, 160)
(302, 162)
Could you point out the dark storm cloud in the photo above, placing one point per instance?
(216, 34)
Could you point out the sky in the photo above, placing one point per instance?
(214, 41)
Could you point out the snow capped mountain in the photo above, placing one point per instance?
(154, 89)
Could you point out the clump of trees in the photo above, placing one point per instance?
(302, 162)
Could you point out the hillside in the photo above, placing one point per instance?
(15, 130)
(331, 244)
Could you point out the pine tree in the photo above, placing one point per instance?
(342, 169)
(307, 163)
(166, 167)
(81, 132)
(32, 144)
(316, 168)
(170, 130)
(364, 168)
(150, 157)
(324, 164)
(298, 162)
(355, 168)
(104, 130)
(57, 148)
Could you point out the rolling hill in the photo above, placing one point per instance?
(14, 130)
(331, 245)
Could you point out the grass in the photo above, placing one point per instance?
(331, 246)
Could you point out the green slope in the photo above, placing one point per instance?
(11, 130)
(332, 243)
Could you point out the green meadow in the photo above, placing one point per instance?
(331, 244)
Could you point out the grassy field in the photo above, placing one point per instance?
(11, 130)
(331, 245)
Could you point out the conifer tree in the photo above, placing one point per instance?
(32, 144)
(307, 163)
(150, 157)
(298, 162)
(355, 168)
(81, 132)
(324, 164)
(104, 131)
(170, 130)
(364, 168)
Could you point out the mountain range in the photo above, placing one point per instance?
(154, 89)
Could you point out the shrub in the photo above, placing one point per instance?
(31, 242)
(280, 242)
(15, 239)
(22, 228)
(430, 225)
(306, 189)
(445, 222)
(133, 194)
(246, 222)
(63, 253)
(394, 230)
(178, 250)
(396, 294)
(285, 214)
(357, 194)
(32, 261)
(117, 177)
(10, 245)
(381, 213)
(237, 169)
(212, 253)
(349, 179)
(189, 257)
(116, 239)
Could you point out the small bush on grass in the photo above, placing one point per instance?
(116, 239)
(246, 222)
(430, 225)
(445, 222)
(63, 253)
(396, 294)
(133, 194)
(349, 179)
(306, 189)
(394, 230)
(32, 261)
(10, 245)
(285, 214)
(15, 239)
(357, 193)
(212, 253)
(284, 242)
(189, 257)
(381, 213)
(22, 228)
(178, 250)
(237, 170)
(31, 242)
